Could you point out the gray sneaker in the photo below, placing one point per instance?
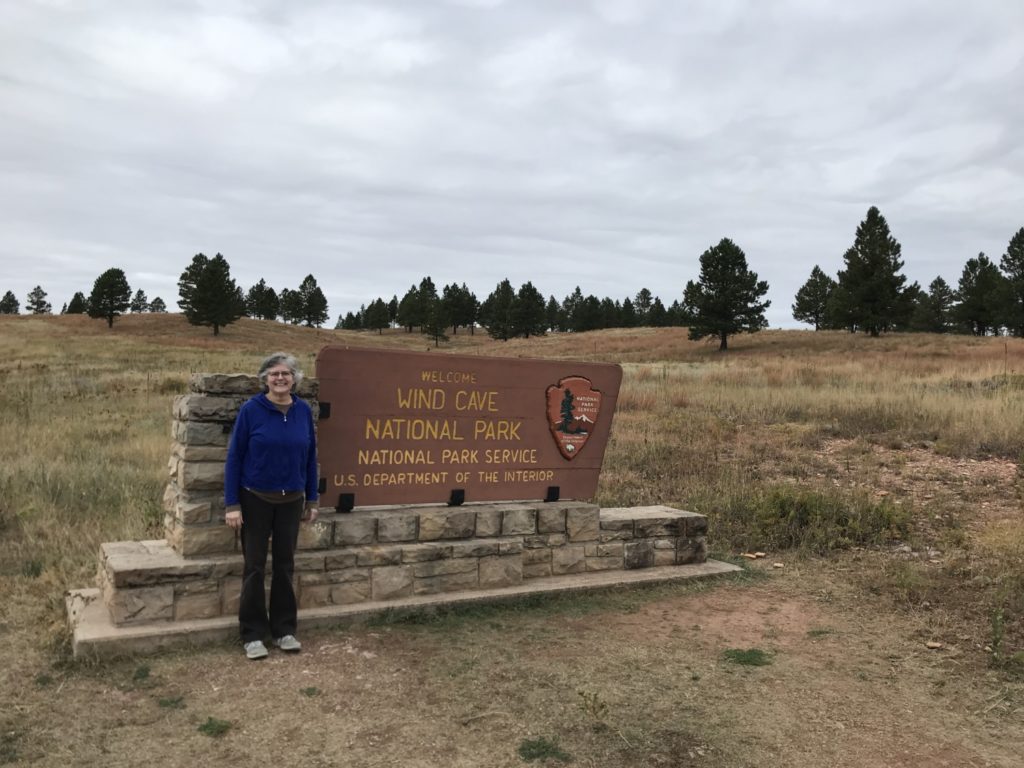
(288, 643)
(256, 650)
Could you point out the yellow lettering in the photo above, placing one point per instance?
(498, 429)
(421, 399)
(476, 400)
(412, 429)
(459, 456)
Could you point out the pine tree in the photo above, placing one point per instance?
(628, 315)
(261, 302)
(872, 279)
(36, 303)
(658, 316)
(496, 311)
(642, 306)
(409, 315)
(313, 303)
(158, 305)
(9, 304)
(436, 319)
(570, 309)
(78, 305)
(528, 317)
(933, 312)
(553, 313)
(376, 317)
(725, 301)
(111, 296)
(139, 302)
(1012, 299)
(209, 296)
(290, 306)
(812, 299)
(980, 287)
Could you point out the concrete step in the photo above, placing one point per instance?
(96, 636)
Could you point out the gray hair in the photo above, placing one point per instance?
(280, 358)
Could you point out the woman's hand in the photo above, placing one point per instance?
(312, 513)
(233, 519)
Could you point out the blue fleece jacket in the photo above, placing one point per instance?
(271, 451)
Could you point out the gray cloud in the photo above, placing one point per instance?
(603, 144)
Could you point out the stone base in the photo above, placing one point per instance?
(96, 636)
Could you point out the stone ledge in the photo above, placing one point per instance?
(94, 636)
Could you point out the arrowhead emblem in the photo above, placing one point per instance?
(573, 409)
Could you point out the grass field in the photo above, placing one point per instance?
(881, 473)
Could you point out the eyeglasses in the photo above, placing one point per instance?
(279, 375)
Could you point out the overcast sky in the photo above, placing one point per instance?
(599, 143)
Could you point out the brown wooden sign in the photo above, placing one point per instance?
(413, 427)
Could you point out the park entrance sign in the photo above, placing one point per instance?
(411, 428)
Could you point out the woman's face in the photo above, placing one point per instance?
(279, 380)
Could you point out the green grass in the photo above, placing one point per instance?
(214, 728)
(542, 748)
(749, 657)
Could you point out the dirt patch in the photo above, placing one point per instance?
(625, 679)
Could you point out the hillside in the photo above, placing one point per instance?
(881, 474)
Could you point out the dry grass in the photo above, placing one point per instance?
(820, 442)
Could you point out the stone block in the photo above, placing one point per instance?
(140, 605)
(638, 554)
(397, 527)
(510, 547)
(452, 582)
(475, 548)
(393, 581)
(230, 594)
(583, 524)
(488, 522)
(314, 595)
(501, 571)
(422, 553)
(352, 592)
(550, 520)
(534, 556)
(444, 568)
(200, 432)
(664, 556)
(199, 600)
(199, 540)
(696, 525)
(645, 529)
(334, 561)
(200, 452)
(536, 570)
(225, 384)
(693, 550)
(623, 535)
(518, 522)
(447, 524)
(355, 530)
(568, 559)
(316, 535)
(309, 562)
(334, 577)
(604, 564)
(201, 475)
(142, 564)
(193, 507)
(547, 541)
(616, 523)
(200, 407)
(390, 555)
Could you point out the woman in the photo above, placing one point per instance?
(269, 477)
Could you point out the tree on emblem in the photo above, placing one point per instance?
(568, 416)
